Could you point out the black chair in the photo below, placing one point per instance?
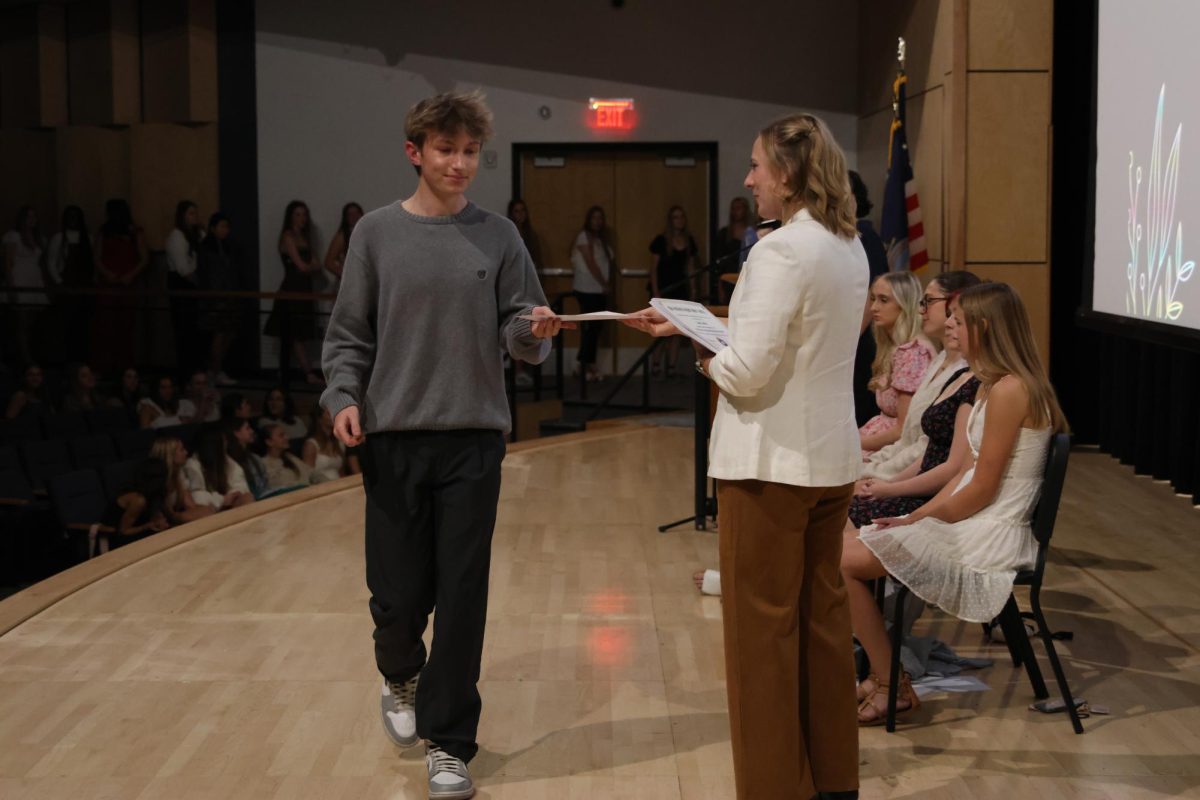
(27, 428)
(79, 503)
(134, 444)
(15, 490)
(93, 451)
(1017, 639)
(116, 477)
(107, 419)
(44, 460)
(64, 426)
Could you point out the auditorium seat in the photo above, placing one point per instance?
(63, 426)
(44, 460)
(134, 443)
(107, 420)
(92, 451)
(117, 476)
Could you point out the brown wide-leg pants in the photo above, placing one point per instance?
(788, 660)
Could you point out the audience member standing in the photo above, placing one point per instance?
(23, 259)
(518, 214)
(71, 264)
(727, 249)
(183, 251)
(335, 256)
(592, 261)
(675, 258)
(121, 257)
(293, 320)
(219, 271)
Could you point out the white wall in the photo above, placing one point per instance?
(331, 121)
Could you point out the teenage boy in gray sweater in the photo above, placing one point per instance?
(432, 292)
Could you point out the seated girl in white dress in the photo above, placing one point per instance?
(324, 453)
(961, 550)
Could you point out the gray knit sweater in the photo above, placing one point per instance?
(426, 308)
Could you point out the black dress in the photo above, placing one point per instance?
(218, 272)
(672, 267)
(938, 424)
(296, 317)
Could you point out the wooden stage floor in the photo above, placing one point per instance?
(239, 664)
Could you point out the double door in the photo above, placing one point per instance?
(635, 185)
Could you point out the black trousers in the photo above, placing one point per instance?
(589, 332)
(431, 510)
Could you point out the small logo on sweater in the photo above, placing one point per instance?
(481, 274)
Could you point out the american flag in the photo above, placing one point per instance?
(901, 228)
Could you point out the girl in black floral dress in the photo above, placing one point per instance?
(912, 488)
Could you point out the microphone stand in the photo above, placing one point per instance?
(705, 504)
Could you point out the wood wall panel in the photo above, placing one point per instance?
(1010, 34)
(1008, 177)
(169, 163)
(33, 64)
(925, 26)
(27, 162)
(925, 146)
(105, 62)
(1032, 283)
(93, 165)
(179, 60)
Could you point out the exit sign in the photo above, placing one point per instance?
(616, 115)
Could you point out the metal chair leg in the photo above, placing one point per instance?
(1059, 675)
(1022, 649)
(897, 641)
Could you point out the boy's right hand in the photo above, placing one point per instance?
(346, 427)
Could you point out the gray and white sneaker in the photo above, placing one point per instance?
(397, 707)
(448, 777)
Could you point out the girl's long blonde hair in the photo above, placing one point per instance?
(906, 290)
(164, 448)
(801, 149)
(1001, 343)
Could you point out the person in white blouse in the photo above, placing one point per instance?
(214, 479)
(785, 451)
(182, 247)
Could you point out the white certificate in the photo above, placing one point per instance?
(592, 317)
(695, 322)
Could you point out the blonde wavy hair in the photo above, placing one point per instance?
(802, 151)
(164, 449)
(1001, 343)
(906, 290)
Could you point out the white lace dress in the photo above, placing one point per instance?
(967, 568)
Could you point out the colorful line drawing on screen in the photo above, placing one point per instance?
(1153, 286)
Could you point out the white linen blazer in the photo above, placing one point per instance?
(786, 410)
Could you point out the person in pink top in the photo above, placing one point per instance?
(902, 354)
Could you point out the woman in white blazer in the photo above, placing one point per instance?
(785, 450)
